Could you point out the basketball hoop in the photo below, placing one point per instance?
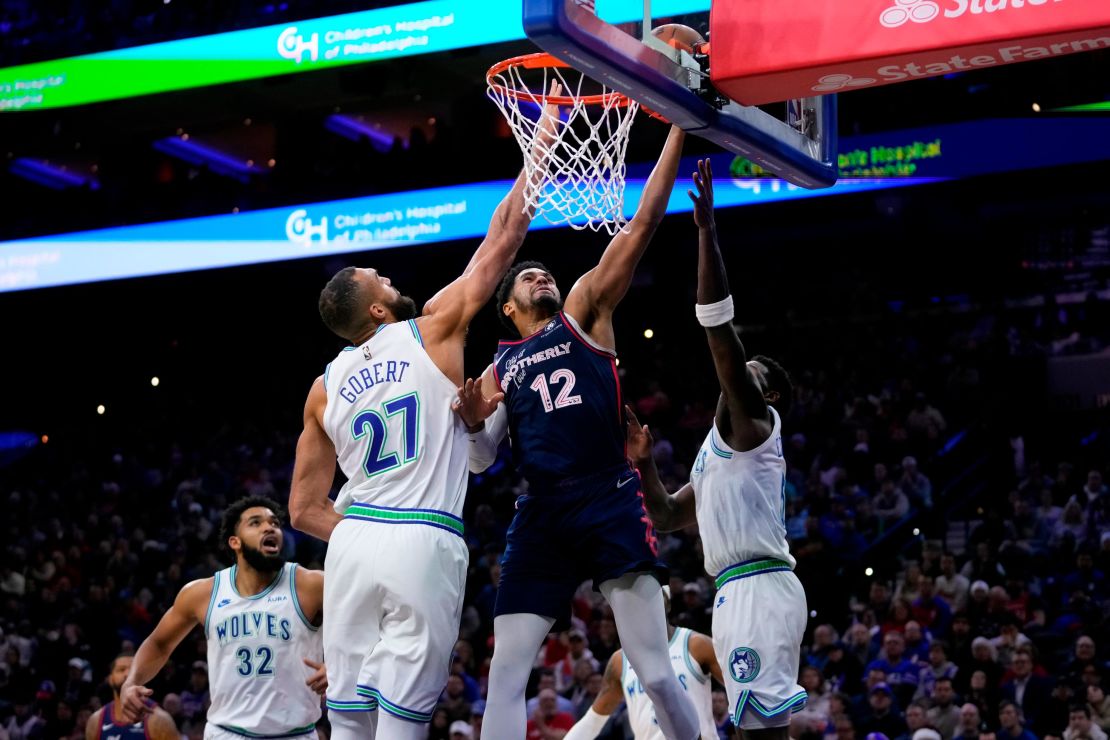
(576, 175)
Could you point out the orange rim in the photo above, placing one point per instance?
(541, 60)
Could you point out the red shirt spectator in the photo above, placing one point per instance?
(548, 723)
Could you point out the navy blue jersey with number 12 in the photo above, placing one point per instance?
(564, 402)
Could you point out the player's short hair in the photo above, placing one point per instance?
(505, 289)
(233, 513)
(122, 654)
(339, 303)
(778, 380)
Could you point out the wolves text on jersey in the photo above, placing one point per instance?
(252, 624)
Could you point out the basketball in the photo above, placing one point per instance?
(678, 36)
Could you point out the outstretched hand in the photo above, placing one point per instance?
(550, 118)
(639, 443)
(132, 706)
(472, 406)
(703, 201)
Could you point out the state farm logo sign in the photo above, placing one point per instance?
(923, 11)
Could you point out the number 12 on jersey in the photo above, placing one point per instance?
(374, 424)
(562, 377)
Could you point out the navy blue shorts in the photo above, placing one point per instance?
(591, 527)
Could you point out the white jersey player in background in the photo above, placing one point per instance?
(396, 561)
(261, 618)
(693, 662)
(737, 496)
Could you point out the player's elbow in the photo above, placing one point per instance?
(298, 509)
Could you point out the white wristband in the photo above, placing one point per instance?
(715, 314)
(589, 727)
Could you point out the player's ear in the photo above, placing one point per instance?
(234, 543)
(772, 396)
(508, 309)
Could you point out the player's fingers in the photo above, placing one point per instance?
(496, 398)
(145, 691)
(312, 663)
(631, 416)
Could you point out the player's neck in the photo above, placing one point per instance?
(533, 324)
(366, 335)
(251, 582)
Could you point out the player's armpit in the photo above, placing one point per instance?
(188, 610)
(310, 509)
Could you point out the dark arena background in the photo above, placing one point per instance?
(944, 313)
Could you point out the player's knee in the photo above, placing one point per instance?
(660, 684)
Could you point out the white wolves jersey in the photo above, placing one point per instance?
(741, 506)
(255, 649)
(641, 713)
(398, 442)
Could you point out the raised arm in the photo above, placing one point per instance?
(607, 701)
(667, 512)
(448, 313)
(310, 509)
(744, 403)
(187, 610)
(596, 294)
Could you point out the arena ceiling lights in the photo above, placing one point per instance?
(303, 46)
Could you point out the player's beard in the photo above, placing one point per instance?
(404, 308)
(260, 561)
(115, 687)
(547, 304)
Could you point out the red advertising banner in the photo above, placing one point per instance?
(770, 50)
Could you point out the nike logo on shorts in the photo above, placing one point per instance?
(625, 482)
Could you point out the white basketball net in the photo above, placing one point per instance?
(576, 176)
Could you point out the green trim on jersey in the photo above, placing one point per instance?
(297, 600)
(751, 568)
(417, 516)
(211, 601)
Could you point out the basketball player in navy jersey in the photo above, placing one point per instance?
(583, 515)
(107, 723)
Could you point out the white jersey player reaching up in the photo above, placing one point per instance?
(737, 496)
(261, 618)
(397, 560)
(693, 662)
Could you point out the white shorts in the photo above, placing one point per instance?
(215, 732)
(392, 600)
(759, 620)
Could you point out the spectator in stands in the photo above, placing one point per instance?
(454, 698)
(983, 658)
(925, 421)
(901, 674)
(1071, 530)
(890, 504)
(1080, 726)
(937, 667)
(1011, 724)
(982, 692)
(952, 586)
(1009, 639)
(546, 680)
(842, 671)
(824, 638)
(930, 610)
(916, 719)
(915, 485)
(606, 643)
(983, 566)
(1099, 704)
(547, 721)
(944, 715)
(971, 723)
(195, 699)
(567, 669)
(883, 715)
(917, 644)
(1030, 693)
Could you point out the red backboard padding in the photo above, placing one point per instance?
(769, 50)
